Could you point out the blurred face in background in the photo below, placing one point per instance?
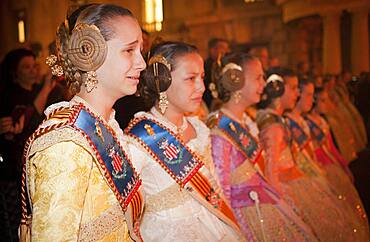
(26, 73)
(221, 48)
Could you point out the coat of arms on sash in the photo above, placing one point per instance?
(119, 166)
(244, 139)
(171, 152)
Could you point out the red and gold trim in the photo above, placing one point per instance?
(67, 117)
(204, 188)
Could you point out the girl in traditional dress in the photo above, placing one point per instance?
(238, 157)
(341, 123)
(172, 153)
(316, 204)
(81, 184)
(332, 178)
(335, 166)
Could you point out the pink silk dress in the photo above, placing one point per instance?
(268, 219)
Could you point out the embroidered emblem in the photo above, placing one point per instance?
(244, 139)
(232, 127)
(119, 166)
(170, 151)
(214, 198)
(149, 129)
(98, 131)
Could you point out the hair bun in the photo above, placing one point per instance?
(232, 78)
(87, 48)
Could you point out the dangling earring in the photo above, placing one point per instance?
(237, 96)
(91, 81)
(163, 102)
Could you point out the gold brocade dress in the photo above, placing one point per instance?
(69, 196)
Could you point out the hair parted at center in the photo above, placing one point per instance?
(170, 51)
(99, 15)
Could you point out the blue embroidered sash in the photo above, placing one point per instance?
(173, 156)
(180, 163)
(112, 161)
(299, 136)
(244, 140)
(118, 170)
(316, 132)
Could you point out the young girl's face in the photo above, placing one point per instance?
(119, 74)
(254, 82)
(306, 98)
(187, 87)
(322, 102)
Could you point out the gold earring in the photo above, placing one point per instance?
(163, 102)
(91, 81)
(237, 96)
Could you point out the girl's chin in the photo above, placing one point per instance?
(130, 91)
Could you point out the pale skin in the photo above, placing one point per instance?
(120, 72)
(186, 90)
(254, 83)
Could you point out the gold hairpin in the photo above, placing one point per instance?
(159, 59)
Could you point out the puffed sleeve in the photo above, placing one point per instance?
(272, 139)
(221, 150)
(58, 179)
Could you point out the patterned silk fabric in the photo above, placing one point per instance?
(238, 178)
(71, 200)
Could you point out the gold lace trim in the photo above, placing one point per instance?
(56, 136)
(103, 225)
(170, 197)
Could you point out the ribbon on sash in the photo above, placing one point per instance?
(316, 132)
(180, 163)
(113, 161)
(299, 136)
(246, 143)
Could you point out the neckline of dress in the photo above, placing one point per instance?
(177, 130)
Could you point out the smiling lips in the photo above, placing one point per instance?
(134, 78)
(197, 99)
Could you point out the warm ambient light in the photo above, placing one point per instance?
(21, 32)
(153, 15)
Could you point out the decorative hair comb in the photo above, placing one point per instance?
(274, 77)
(159, 59)
(231, 66)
